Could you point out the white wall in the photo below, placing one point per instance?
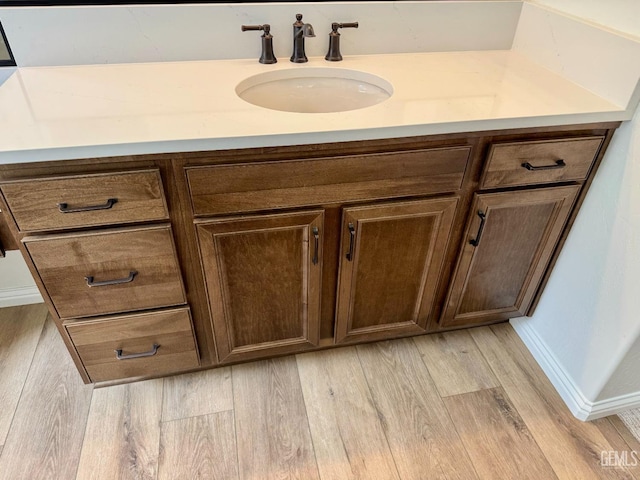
(16, 285)
(586, 329)
(161, 33)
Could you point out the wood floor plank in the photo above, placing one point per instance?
(455, 363)
(422, 438)
(497, 440)
(618, 444)
(572, 447)
(46, 434)
(20, 329)
(195, 394)
(348, 438)
(123, 432)
(201, 447)
(272, 430)
(632, 442)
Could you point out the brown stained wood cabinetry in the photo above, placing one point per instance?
(390, 264)
(250, 253)
(263, 282)
(505, 252)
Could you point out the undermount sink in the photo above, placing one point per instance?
(314, 90)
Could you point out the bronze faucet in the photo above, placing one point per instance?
(300, 30)
(334, 55)
(267, 55)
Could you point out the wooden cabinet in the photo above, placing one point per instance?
(86, 270)
(86, 200)
(390, 264)
(112, 271)
(201, 259)
(263, 277)
(135, 345)
(506, 249)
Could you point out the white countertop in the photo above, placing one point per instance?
(51, 113)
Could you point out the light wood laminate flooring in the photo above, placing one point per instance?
(459, 405)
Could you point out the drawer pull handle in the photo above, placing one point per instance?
(352, 238)
(117, 281)
(476, 241)
(559, 164)
(316, 236)
(129, 356)
(64, 207)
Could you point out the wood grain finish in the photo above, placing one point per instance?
(498, 278)
(123, 433)
(48, 427)
(455, 363)
(202, 447)
(272, 430)
(20, 329)
(505, 161)
(570, 446)
(64, 262)
(48, 431)
(7, 240)
(422, 438)
(332, 176)
(347, 435)
(263, 287)
(196, 394)
(262, 186)
(34, 203)
(388, 286)
(498, 441)
(97, 340)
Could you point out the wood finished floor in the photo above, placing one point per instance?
(460, 405)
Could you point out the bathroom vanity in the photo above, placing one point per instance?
(171, 226)
(156, 264)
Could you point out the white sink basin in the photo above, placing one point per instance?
(314, 90)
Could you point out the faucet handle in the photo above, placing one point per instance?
(335, 26)
(266, 27)
(334, 55)
(267, 55)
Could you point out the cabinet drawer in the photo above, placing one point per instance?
(271, 185)
(527, 163)
(86, 200)
(129, 269)
(154, 343)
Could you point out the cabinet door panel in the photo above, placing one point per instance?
(498, 278)
(262, 282)
(396, 253)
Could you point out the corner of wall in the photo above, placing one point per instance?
(580, 406)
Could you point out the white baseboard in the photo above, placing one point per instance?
(12, 297)
(580, 406)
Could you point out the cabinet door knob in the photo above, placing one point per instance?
(65, 208)
(92, 283)
(129, 356)
(316, 238)
(352, 238)
(476, 241)
(558, 164)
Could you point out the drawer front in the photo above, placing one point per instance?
(527, 163)
(154, 343)
(272, 185)
(86, 200)
(129, 269)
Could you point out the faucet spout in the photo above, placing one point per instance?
(300, 31)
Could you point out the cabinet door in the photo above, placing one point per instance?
(263, 282)
(391, 259)
(509, 241)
